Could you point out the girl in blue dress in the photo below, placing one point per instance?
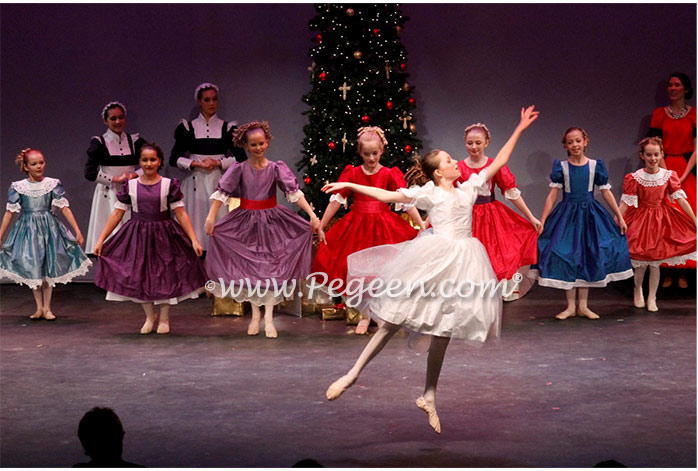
(40, 251)
(580, 246)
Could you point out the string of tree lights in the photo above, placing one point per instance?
(359, 78)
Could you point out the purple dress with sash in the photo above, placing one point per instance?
(150, 259)
(260, 240)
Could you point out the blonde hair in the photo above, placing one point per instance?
(240, 134)
(21, 158)
(369, 133)
(477, 126)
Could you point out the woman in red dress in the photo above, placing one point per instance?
(658, 233)
(369, 222)
(675, 124)
(510, 240)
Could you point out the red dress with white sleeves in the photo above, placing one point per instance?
(368, 223)
(658, 232)
(510, 240)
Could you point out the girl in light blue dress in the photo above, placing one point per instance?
(40, 251)
(580, 246)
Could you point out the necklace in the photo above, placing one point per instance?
(680, 115)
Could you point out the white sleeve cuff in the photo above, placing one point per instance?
(177, 204)
(104, 178)
(60, 203)
(226, 162)
(222, 197)
(184, 164)
(607, 186)
(122, 206)
(14, 207)
(630, 200)
(339, 199)
(678, 194)
(294, 196)
(512, 194)
(555, 185)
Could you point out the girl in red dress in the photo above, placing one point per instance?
(510, 240)
(657, 232)
(369, 222)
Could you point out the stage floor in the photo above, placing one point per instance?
(549, 394)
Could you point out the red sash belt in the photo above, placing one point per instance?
(258, 204)
(370, 206)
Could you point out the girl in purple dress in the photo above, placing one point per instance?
(151, 259)
(260, 245)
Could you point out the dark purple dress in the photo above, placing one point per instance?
(150, 259)
(260, 240)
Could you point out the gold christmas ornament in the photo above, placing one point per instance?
(406, 87)
(413, 128)
(358, 55)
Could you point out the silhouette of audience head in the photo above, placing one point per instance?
(102, 437)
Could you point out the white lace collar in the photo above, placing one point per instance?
(652, 179)
(114, 137)
(25, 187)
(212, 121)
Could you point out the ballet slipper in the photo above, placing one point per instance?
(270, 330)
(362, 326)
(683, 284)
(49, 316)
(337, 388)
(652, 305)
(639, 299)
(163, 327)
(667, 282)
(37, 315)
(253, 328)
(565, 314)
(147, 326)
(588, 313)
(431, 411)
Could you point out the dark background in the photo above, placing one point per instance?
(601, 67)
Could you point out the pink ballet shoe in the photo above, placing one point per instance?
(337, 388)
(48, 315)
(362, 326)
(431, 411)
(37, 315)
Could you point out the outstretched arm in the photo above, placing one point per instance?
(528, 116)
(378, 193)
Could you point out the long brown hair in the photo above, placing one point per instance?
(423, 169)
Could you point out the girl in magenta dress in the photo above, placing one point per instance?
(260, 244)
(369, 222)
(510, 240)
(657, 232)
(151, 259)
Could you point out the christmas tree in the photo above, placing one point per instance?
(359, 78)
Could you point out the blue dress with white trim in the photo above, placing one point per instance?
(581, 246)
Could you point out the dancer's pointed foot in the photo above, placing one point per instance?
(37, 315)
(652, 305)
(588, 313)
(638, 298)
(49, 316)
(431, 411)
(270, 330)
(253, 328)
(362, 326)
(337, 388)
(163, 327)
(566, 313)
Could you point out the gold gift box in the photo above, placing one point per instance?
(353, 316)
(332, 314)
(228, 307)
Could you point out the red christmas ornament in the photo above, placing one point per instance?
(403, 67)
(306, 180)
(323, 76)
(365, 119)
(331, 145)
(413, 102)
(389, 105)
(318, 38)
(408, 149)
(398, 29)
(376, 31)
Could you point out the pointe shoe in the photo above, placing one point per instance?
(49, 316)
(652, 305)
(431, 410)
(667, 282)
(337, 388)
(565, 314)
(588, 313)
(362, 326)
(270, 330)
(253, 328)
(37, 315)
(683, 284)
(163, 327)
